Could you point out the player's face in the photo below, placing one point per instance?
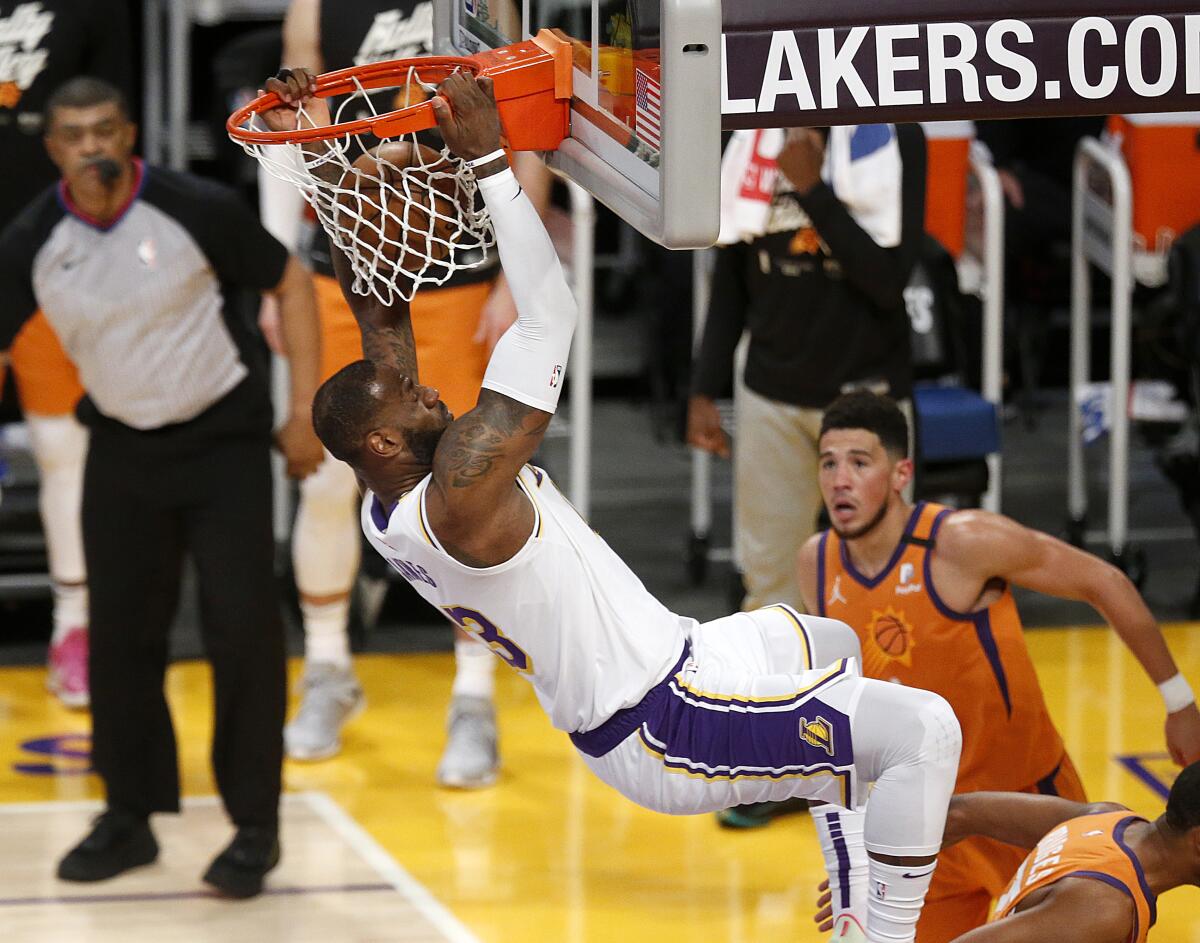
(858, 479)
(81, 140)
(419, 415)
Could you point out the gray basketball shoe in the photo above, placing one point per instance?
(332, 697)
(471, 759)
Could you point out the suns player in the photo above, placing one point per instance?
(679, 717)
(1096, 872)
(456, 327)
(928, 590)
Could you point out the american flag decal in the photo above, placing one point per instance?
(647, 113)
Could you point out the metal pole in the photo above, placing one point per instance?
(152, 80)
(1081, 301)
(701, 460)
(583, 225)
(179, 84)
(1122, 301)
(993, 308)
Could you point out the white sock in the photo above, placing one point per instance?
(896, 894)
(70, 609)
(840, 832)
(326, 638)
(475, 669)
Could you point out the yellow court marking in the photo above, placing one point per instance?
(550, 853)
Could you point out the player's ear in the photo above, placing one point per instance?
(383, 443)
(902, 474)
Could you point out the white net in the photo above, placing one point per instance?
(405, 214)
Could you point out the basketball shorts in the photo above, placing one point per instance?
(444, 322)
(46, 379)
(743, 717)
(973, 873)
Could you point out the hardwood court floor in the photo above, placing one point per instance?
(549, 854)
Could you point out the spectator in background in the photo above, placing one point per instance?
(1034, 158)
(456, 327)
(132, 266)
(822, 229)
(42, 45)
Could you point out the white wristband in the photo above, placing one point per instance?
(1176, 693)
(487, 158)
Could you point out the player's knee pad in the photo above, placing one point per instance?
(831, 640)
(59, 444)
(325, 541)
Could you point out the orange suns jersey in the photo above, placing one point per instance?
(975, 660)
(1092, 847)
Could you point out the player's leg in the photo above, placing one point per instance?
(49, 388)
(775, 498)
(231, 540)
(325, 557)
(444, 327)
(133, 543)
(60, 446)
(907, 742)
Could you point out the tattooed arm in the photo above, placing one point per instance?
(387, 335)
(473, 503)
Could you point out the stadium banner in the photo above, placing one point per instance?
(859, 62)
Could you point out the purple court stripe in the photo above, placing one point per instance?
(1134, 763)
(189, 895)
(843, 856)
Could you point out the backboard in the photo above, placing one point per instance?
(645, 134)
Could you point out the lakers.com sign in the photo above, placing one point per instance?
(856, 62)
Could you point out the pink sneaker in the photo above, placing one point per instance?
(68, 677)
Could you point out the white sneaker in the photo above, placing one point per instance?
(332, 697)
(847, 930)
(471, 759)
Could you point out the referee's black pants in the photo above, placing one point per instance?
(149, 499)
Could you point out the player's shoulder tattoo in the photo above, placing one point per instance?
(486, 435)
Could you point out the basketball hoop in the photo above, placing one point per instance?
(404, 214)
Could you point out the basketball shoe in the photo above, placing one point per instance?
(332, 697)
(471, 759)
(67, 676)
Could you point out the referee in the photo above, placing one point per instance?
(134, 266)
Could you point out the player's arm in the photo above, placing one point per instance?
(1015, 818)
(386, 330)
(17, 250)
(990, 545)
(1073, 909)
(473, 503)
(806, 573)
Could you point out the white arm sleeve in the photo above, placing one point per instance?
(280, 204)
(530, 359)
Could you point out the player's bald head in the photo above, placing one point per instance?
(347, 407)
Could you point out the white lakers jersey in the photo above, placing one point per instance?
(565, 611)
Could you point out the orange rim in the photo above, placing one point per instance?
(428, 69)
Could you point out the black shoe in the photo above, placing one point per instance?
(118, 841)
(238, 871)
(758, 814)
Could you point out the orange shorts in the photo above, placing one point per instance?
(444, 320)
(47, 381)
(973, 873)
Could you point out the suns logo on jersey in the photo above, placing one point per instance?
(889, 639)
(817, 733)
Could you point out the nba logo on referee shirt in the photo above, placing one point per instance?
(147, 252)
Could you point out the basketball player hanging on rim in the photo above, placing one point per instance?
(928, 591)
(679, 717)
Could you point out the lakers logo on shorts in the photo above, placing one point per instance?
(817, 733)
(889, 639)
